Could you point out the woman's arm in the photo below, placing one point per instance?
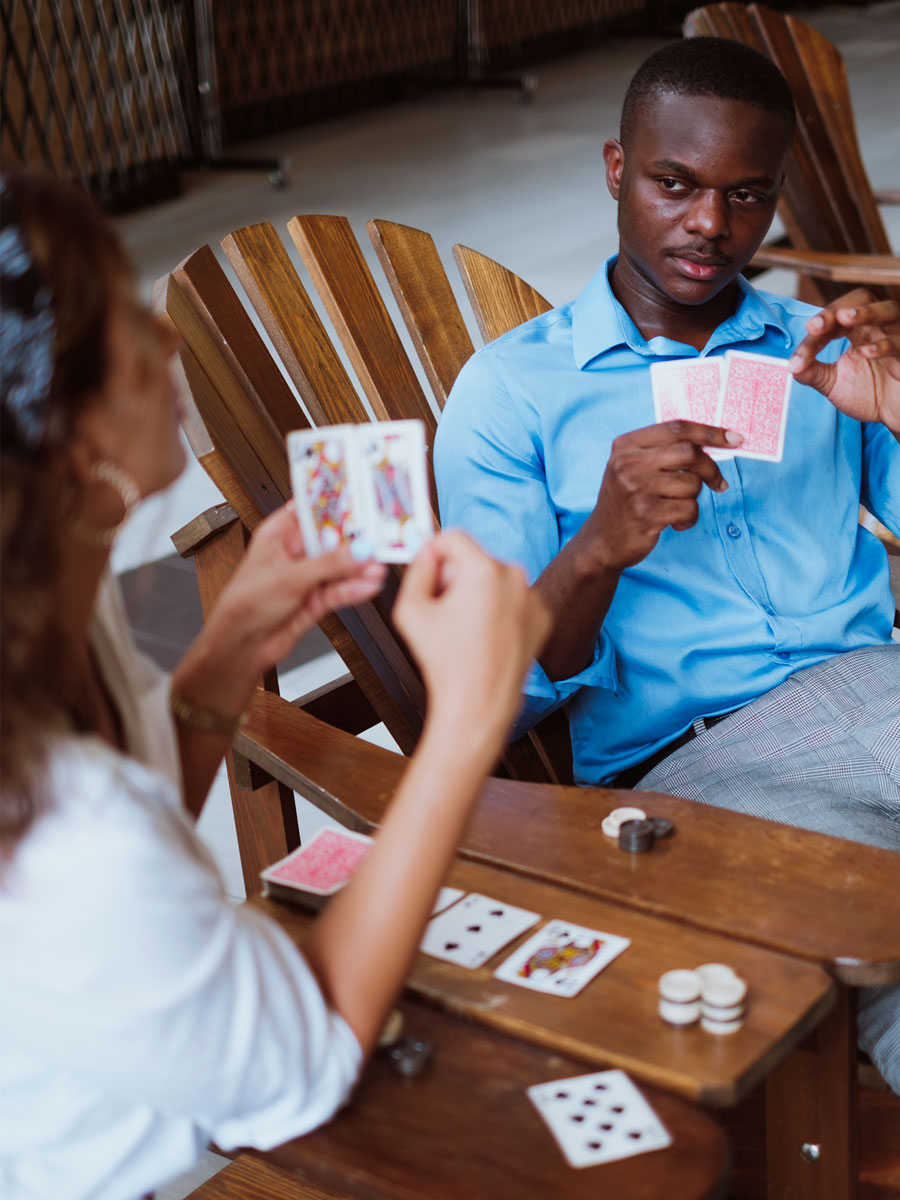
(274, 597)
(474, 627)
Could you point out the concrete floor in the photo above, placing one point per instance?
(522, 183)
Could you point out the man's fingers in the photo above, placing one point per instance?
(880, 313)
(670, 432)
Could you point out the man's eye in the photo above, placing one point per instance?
(745, 197)
(668, 184)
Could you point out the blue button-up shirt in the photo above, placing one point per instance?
(776, 575)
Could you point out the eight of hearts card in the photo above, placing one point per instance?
(362, 483)
(322, 865)
(598, 1118)
(561, 958)
(474, 929)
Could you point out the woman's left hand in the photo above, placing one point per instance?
(865, 381)
(277, 594)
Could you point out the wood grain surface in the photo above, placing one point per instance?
(465, 1130)
(805, 894)
(614, 1020)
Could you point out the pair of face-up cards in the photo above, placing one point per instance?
(363, 484)
(745, 392)
(560, 959)
(598, 1118)
(323, 865)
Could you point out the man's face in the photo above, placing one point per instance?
(697, 187)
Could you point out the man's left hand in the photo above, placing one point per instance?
(865, 381)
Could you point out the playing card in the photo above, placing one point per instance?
(323, 865)
(598, 1118)
(686, 389)
(325, 476)
(754, 401)
(395, 483)
(446, 897)
(561, 958)
(473, 930)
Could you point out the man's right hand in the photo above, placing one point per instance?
(652, 480)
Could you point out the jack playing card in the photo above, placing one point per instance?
(598, 1118)
(323, 865)
(473, 930)
(362, 483)
(754, 401)
(561, 958)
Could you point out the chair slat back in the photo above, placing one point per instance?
(425, 298)
(499, 298)
(261, 262)
(355, 306)
(827, 203)
(247, 408)
(240, 394)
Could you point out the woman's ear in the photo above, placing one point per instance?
(614, 157)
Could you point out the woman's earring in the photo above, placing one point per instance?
(127, 490)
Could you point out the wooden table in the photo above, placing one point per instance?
(801, 894)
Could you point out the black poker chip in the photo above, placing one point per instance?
(636, 836)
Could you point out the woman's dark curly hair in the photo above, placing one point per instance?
(58, 258)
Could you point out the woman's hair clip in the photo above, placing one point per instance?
(27, 332)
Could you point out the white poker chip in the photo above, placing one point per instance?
(680, 987)
(611, 823)
(724, 993)
(710, 971)
(720, 1027)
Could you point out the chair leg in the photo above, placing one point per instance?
(812, 1113)
(265, 818)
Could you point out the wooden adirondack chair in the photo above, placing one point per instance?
(241, 407)
(828, 208)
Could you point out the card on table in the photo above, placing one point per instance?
(445, 897)
(362, 482)
(561, 958)
(598, 1118)
(755, 394)
(322, 865)
(474, 929)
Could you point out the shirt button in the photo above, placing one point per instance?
(733, 531)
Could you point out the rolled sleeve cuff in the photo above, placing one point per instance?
(541, 694)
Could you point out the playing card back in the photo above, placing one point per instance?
(755, 394)
(321, 866)
(686, 389)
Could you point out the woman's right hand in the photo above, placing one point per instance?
(474, 627)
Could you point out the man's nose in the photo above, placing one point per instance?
(708, 215)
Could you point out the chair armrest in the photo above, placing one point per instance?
(340, 703)
(840, 268)
(188, 540)
(887, 196)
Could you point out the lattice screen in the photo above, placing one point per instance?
(269, 56)
(503, 23)
(91, 90)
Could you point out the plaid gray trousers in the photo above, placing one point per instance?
(821, 751)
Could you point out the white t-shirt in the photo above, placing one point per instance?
(141, 1013)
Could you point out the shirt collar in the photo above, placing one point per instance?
(600, 323)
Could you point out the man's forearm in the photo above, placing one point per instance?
(578, 593)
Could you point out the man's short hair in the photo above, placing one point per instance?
(708, 66)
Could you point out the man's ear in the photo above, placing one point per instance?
(614, 157)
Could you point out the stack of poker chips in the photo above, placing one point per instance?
(712, 994)
(633, 830)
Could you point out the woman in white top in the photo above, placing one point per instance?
(140, 1013)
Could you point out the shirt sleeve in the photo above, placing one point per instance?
(489, 467)
(881, 475)
(134, 973)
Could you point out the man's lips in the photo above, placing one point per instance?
(699, 266)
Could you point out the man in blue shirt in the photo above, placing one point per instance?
(686, 589)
